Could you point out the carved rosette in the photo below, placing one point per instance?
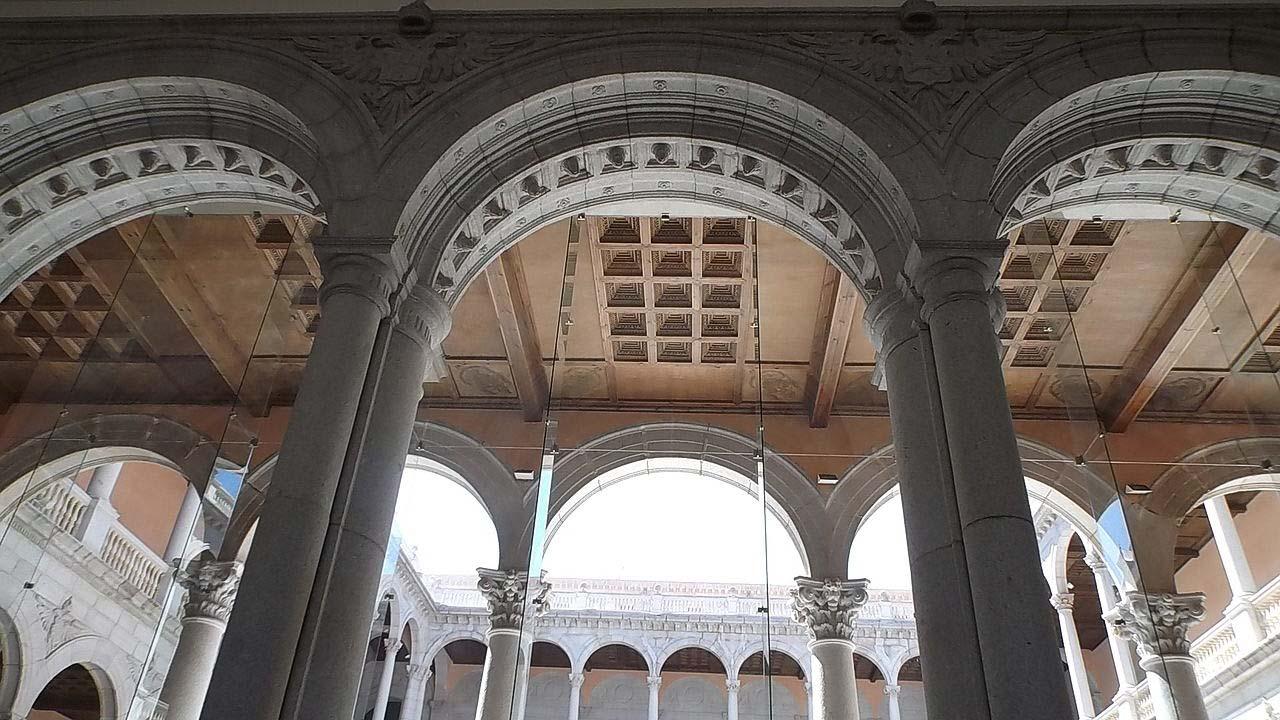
(1157, 623)
(211, 588)
(505, 592)
(828, 607)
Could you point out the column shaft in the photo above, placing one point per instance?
(945, 623)
(834, 680)
(100, 515)
(731, 692)
(1175, 691)
(655, 682)
(211, 589)
(262, 638)
(183, 526)
(1158, 623)
(1230, 549)
(103, 481)
(384, 681)
(497, 684)
(1075, 656)
(1018, 645)
(1121, 651)
(891, 692)
(575, 694)
(326, 673)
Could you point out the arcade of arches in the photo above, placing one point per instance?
(857, 364)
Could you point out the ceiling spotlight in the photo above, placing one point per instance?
(827, 479)
(525, 475)
(1175, 217)
(1097, 218)
(1137, 489)
(666, 217)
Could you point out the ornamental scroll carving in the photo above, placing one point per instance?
(505, 591)
(933, 72)
(211, 588)
(1157, 623)
(828, 607)
(392, 75)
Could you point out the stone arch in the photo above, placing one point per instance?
(1199, 473)
(599, 643)
(438, 644)
(111, 674)
(720, 135)
(912, 652)
(87, 159)
(793, 498)
(13, 654)
(676, 646)
(866, 485)
(746, 655)
(1198, 142)
(484, 475)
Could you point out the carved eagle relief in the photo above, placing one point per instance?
(394, 74)
(931, 73)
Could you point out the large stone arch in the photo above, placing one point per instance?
(1198, 473)
(111, 437)
(798, 503)
(91, 158)
(487, 477)
(1193, 140)
(864, 486)
(13, 648)
(713, 127)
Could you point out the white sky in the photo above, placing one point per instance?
(449, 527)
(880, 548)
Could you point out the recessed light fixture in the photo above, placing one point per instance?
(1137, 489)
(827, 479)
(525, 475)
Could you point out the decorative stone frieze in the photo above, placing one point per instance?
(211, 588)
(1157, 623)
(932, 73)
(505, 593)
(828, 608)
(392, 75)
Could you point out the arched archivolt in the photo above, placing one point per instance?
(594, 134)
(470, 462)
(649, 658)
(1195, 141)
(792, 497)
(1077, 491)
(674, 647)
(110, 671)
(111, 437)
(88, 159)
(1199, 473)
(433, 649)
(13, 654)
(747, 665)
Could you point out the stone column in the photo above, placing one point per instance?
(263, 637)
(655, 682)
(1157, 623)
(415, 698)
(1121, 654)
(575, 694)
(505, 592)
(808, 695)
(828, 609)
(731, 690)
(100, 515)
(1243, 616)
(1064, 603)
(892, 692)
(183, 526)
(211, 590)
(950, 654)
(327, 670)
(384, 679)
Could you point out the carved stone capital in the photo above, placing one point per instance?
(654, 682)
(366, 274)
(891, 319)
(576, 679)
(211, 588)
(828, 608)
(892, 690)
(733, 685)
(505, 592)
(1157, 623)
(423, 316)
(1063, 602)
(420, 671)
(942, 276)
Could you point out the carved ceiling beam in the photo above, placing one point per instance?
(511, 305)
(1226, 250)
(839, 305)
(602, 303)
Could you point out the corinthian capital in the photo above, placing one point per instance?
(211, 588)
(505, 592)
(1157, 623)
(828, 607)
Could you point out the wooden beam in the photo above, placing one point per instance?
(1206, 281)
(511, 304)
(157, 255)
(602, 302)
(838, 306)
